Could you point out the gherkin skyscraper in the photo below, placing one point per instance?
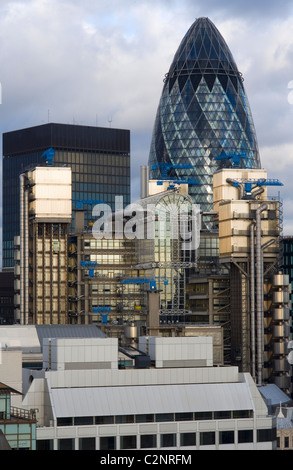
(204, 121)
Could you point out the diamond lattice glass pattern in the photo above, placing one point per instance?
(203, 119)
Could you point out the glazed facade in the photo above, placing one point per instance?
(203, 118)
(99, 159)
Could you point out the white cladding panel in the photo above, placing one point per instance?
(51, 192)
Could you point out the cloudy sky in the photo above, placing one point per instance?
(102, 62)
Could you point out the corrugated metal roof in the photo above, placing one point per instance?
(103, 401)
(30, 337)
(68, 331)
(274, 394)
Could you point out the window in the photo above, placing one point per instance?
(242, 414)
(203, 416)
(127, 442)
(222, 415)
(226, 437)
(207, 438)
(64, 421)
(66, 444)
(266, 435)
(148, 441)
(164, 417)
(124, 419)
(83, 420)
(183, 416)
(245, 436)
(46, 444)
(108, 443)
(188, 439)
(87, 443)
(168, 440)
(104, 420)
(144, 418)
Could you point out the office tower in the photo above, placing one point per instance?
(41, 260)
(114, 273)
(99, 159)
(249, 245)
(203, 121)
(96, 269)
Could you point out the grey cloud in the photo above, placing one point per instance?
(85, 61)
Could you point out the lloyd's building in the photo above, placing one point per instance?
(204, 136)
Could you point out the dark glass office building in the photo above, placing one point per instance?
(203, 122)
(99, 158)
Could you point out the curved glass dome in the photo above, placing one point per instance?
(203, 121)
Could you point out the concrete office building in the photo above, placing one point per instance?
(98, 157)
(85, 401)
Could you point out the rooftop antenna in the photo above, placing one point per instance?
(110, 120)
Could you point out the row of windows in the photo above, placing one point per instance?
(107, 244)
(150, 418)
(102, 193)
(101, 169)
(87, 158)
(97, 179)
(148, 441)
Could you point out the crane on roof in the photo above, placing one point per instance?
(142, 280)
(165, 168)
(248, 185)
(48, 155)
(103, 311)
(90, 265)
(235, 157)
(81, 202)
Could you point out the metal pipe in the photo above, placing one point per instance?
(26, 254)
(267, 244)
(21, 249)
(252, 298)
(259, 293)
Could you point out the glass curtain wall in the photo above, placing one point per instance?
(204, 121)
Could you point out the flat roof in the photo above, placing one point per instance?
(65, 136)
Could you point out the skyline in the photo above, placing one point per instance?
(104, 64)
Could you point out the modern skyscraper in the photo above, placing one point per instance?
(41, 262)
(203, 122)
(99, 159)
